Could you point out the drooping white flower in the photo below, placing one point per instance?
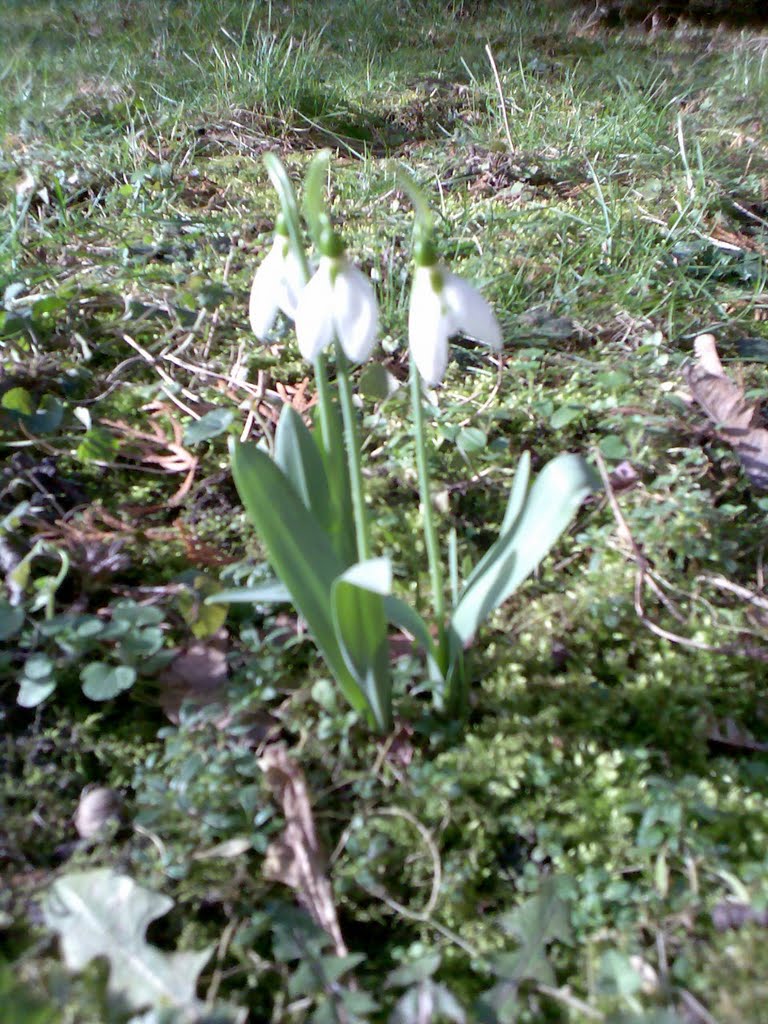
(443, 304)
(339, 300)
(276, 286)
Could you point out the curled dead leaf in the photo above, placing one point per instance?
(296, 858)
(738, 421)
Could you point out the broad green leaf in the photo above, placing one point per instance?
(617, 976)
(103, 682)
(299, 551)
(299, 458)
(564, 415)
(499, 1005)
(102, 914)
(471, 440)
(318, 975)
(38, 667)
(549, 508)
(42, 419)
(377, 383)
(48, 416)
(342, 531)
(34, 691)
(539, 921)
(543, 918)
(357, 602)
(413, 972)
(268, 592)
(11, 619)
(137, 615)
(18, 400)
(140, 644)
(212, 424)
(613, 448)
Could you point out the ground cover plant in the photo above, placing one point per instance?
(197, 824)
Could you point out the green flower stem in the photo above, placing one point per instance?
(425, 496)
(352, 444)
(324, 399)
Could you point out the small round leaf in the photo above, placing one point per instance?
(102, 682)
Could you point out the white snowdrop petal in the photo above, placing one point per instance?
(356, 313)
(291, 282)
(428, 328)
(470, 312)
(314, 314)
(263, 306)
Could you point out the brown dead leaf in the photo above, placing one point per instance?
(738, 421)
(198, 675)
(296, 859)
(154, 446)
(295, 395)
(726, 916)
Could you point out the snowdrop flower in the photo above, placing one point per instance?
(339, 300)
(443, 304)
(277, 284)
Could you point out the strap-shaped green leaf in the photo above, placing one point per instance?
(266, 592)
(333, 453)
(298, 549)
(297, 454)
(517, 495)
(549, 508)
(357, 600)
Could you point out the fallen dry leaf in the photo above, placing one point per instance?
(296, 859)
(738, 421)
(198, 675)
(735, 915)
(155, 447)
(727, 736)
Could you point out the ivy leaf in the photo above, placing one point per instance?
(543, 919)
(102, 914)
(427, 1001)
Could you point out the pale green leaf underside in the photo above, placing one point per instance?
(101, 914)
